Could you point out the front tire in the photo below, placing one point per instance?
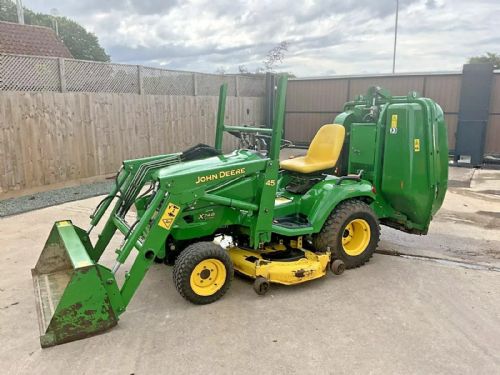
(352, 232)
(203, 273)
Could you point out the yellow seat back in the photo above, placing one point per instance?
(323, 152)
(327, 144)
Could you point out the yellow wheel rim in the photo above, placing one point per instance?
(356, 237)
(208, 277)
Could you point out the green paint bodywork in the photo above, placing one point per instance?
(235, 194)
(75, 297)
(410, 184)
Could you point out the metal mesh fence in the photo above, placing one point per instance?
(34, 73)
(166, 82)
(25, 73)
(100, 77)
(209, 84)
(251, 86)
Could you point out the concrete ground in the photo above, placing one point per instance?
(395, 315)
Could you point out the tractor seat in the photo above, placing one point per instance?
(323, 152)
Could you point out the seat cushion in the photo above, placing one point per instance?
(323, 152)
(302, 165)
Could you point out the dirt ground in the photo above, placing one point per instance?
(434, 310)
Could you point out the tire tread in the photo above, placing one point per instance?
(188, 259)
(334, 223)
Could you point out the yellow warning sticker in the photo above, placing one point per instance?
(169, 216)
(394, 124)
(416, 144)
(64, 223)
(394, 121)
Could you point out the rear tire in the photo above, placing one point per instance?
(203, 273)
(352, 232)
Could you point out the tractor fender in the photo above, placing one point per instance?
(320, 201)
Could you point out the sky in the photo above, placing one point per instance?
(325, 37)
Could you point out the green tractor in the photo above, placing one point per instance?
(384, 160)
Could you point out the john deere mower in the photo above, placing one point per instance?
(383, 160)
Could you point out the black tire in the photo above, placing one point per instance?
(261, 285)
(337, 267)
(178, 247)
(334, 230)
(186, 263)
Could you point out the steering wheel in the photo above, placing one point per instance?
(256, 141)
(284, 142)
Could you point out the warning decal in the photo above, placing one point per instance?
(416, 144)
(169, 216)
(394, 124)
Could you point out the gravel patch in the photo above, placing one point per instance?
(13, 206)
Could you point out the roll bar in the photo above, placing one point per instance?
(276, 131)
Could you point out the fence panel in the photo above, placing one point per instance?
(25, 73)
(492, 145)
(445, 90)
(50, 137)
(89, 76)
(495, 95)
(398, 85)
(166, 82)
(35, 73)
(209, 84)
(66, 119)
(317, 95)
(251, 86)
(314, 102)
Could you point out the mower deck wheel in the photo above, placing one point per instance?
(337, 267)
(261, 285)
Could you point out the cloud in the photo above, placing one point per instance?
(325, 36)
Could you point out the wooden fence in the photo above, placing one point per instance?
(48, 137)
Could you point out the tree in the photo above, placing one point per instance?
(8, 11)
(274, 56)
(242, 69)
(82, 44)
(488, 57)
(220, 70)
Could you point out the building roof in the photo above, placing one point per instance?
(31, 40)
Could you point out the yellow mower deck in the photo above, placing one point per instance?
(287, 272)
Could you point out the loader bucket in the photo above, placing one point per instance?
(74, 296)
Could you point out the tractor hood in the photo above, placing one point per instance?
(212, 170)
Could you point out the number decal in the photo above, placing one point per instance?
(271, 182)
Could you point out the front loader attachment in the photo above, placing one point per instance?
(75, 297)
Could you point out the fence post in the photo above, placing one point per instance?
(140, 88)
(237, 84)
(348, 95)
(62, 74)
(195, 85)
(270, 98)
